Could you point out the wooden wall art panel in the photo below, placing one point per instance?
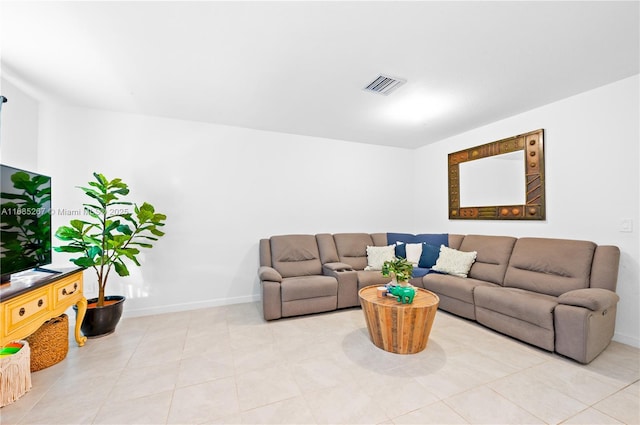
(532, 144)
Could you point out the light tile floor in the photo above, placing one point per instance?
(227, 365)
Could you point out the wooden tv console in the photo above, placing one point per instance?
(31, 299)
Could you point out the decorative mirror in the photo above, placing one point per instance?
(502, 180)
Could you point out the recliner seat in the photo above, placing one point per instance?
(292, 278)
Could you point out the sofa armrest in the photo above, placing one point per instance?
(337, 267)
(269, 273)
(594, 299)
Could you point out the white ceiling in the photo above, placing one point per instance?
(299, 67)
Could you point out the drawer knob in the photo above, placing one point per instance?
(40, 302)
(21, 312)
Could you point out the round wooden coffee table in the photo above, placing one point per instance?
(396, 327)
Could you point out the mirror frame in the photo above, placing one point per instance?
(532, 144)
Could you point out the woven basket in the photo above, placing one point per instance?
(50, 343)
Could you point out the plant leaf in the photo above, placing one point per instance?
(101, 179)
(78, 224)
(94, 251)
(83, 262)
(69, 248)
(125, 229)
(67, 233)
(121, 268)
(156, 231)
(111, 225)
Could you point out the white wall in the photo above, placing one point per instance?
(222, 188)
(592, 181)
(19, 128)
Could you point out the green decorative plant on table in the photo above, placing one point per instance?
(399, 269)
(111, 237)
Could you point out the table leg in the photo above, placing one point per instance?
(82, 309)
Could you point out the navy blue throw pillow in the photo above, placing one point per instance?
(401, 250)
(429, 256)
(435, 239)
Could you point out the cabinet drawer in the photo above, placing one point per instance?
(66, 288)
(25, 309)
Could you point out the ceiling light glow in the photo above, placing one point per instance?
(416, 108)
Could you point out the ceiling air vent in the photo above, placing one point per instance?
(384, 84)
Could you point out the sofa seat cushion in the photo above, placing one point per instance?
(303, 287)
(419, 272)
(456, 287)
(371, 277)
(526, 306)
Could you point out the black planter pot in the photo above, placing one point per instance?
(101, 321)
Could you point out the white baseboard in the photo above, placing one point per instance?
(625, 339)
(173, 308)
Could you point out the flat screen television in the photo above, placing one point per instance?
(25, 221)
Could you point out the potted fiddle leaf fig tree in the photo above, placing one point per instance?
(110, 237)
(400, 270)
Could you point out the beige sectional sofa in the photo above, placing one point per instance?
(556, 294)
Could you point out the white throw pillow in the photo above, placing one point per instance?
(452, 261)
(414, 251)
(377, 255)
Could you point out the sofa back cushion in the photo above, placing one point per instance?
(550, 266)
(295, 255)
(352, 248)
(379, 239)
(327, 248)
(455, 240)
(493, 256)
